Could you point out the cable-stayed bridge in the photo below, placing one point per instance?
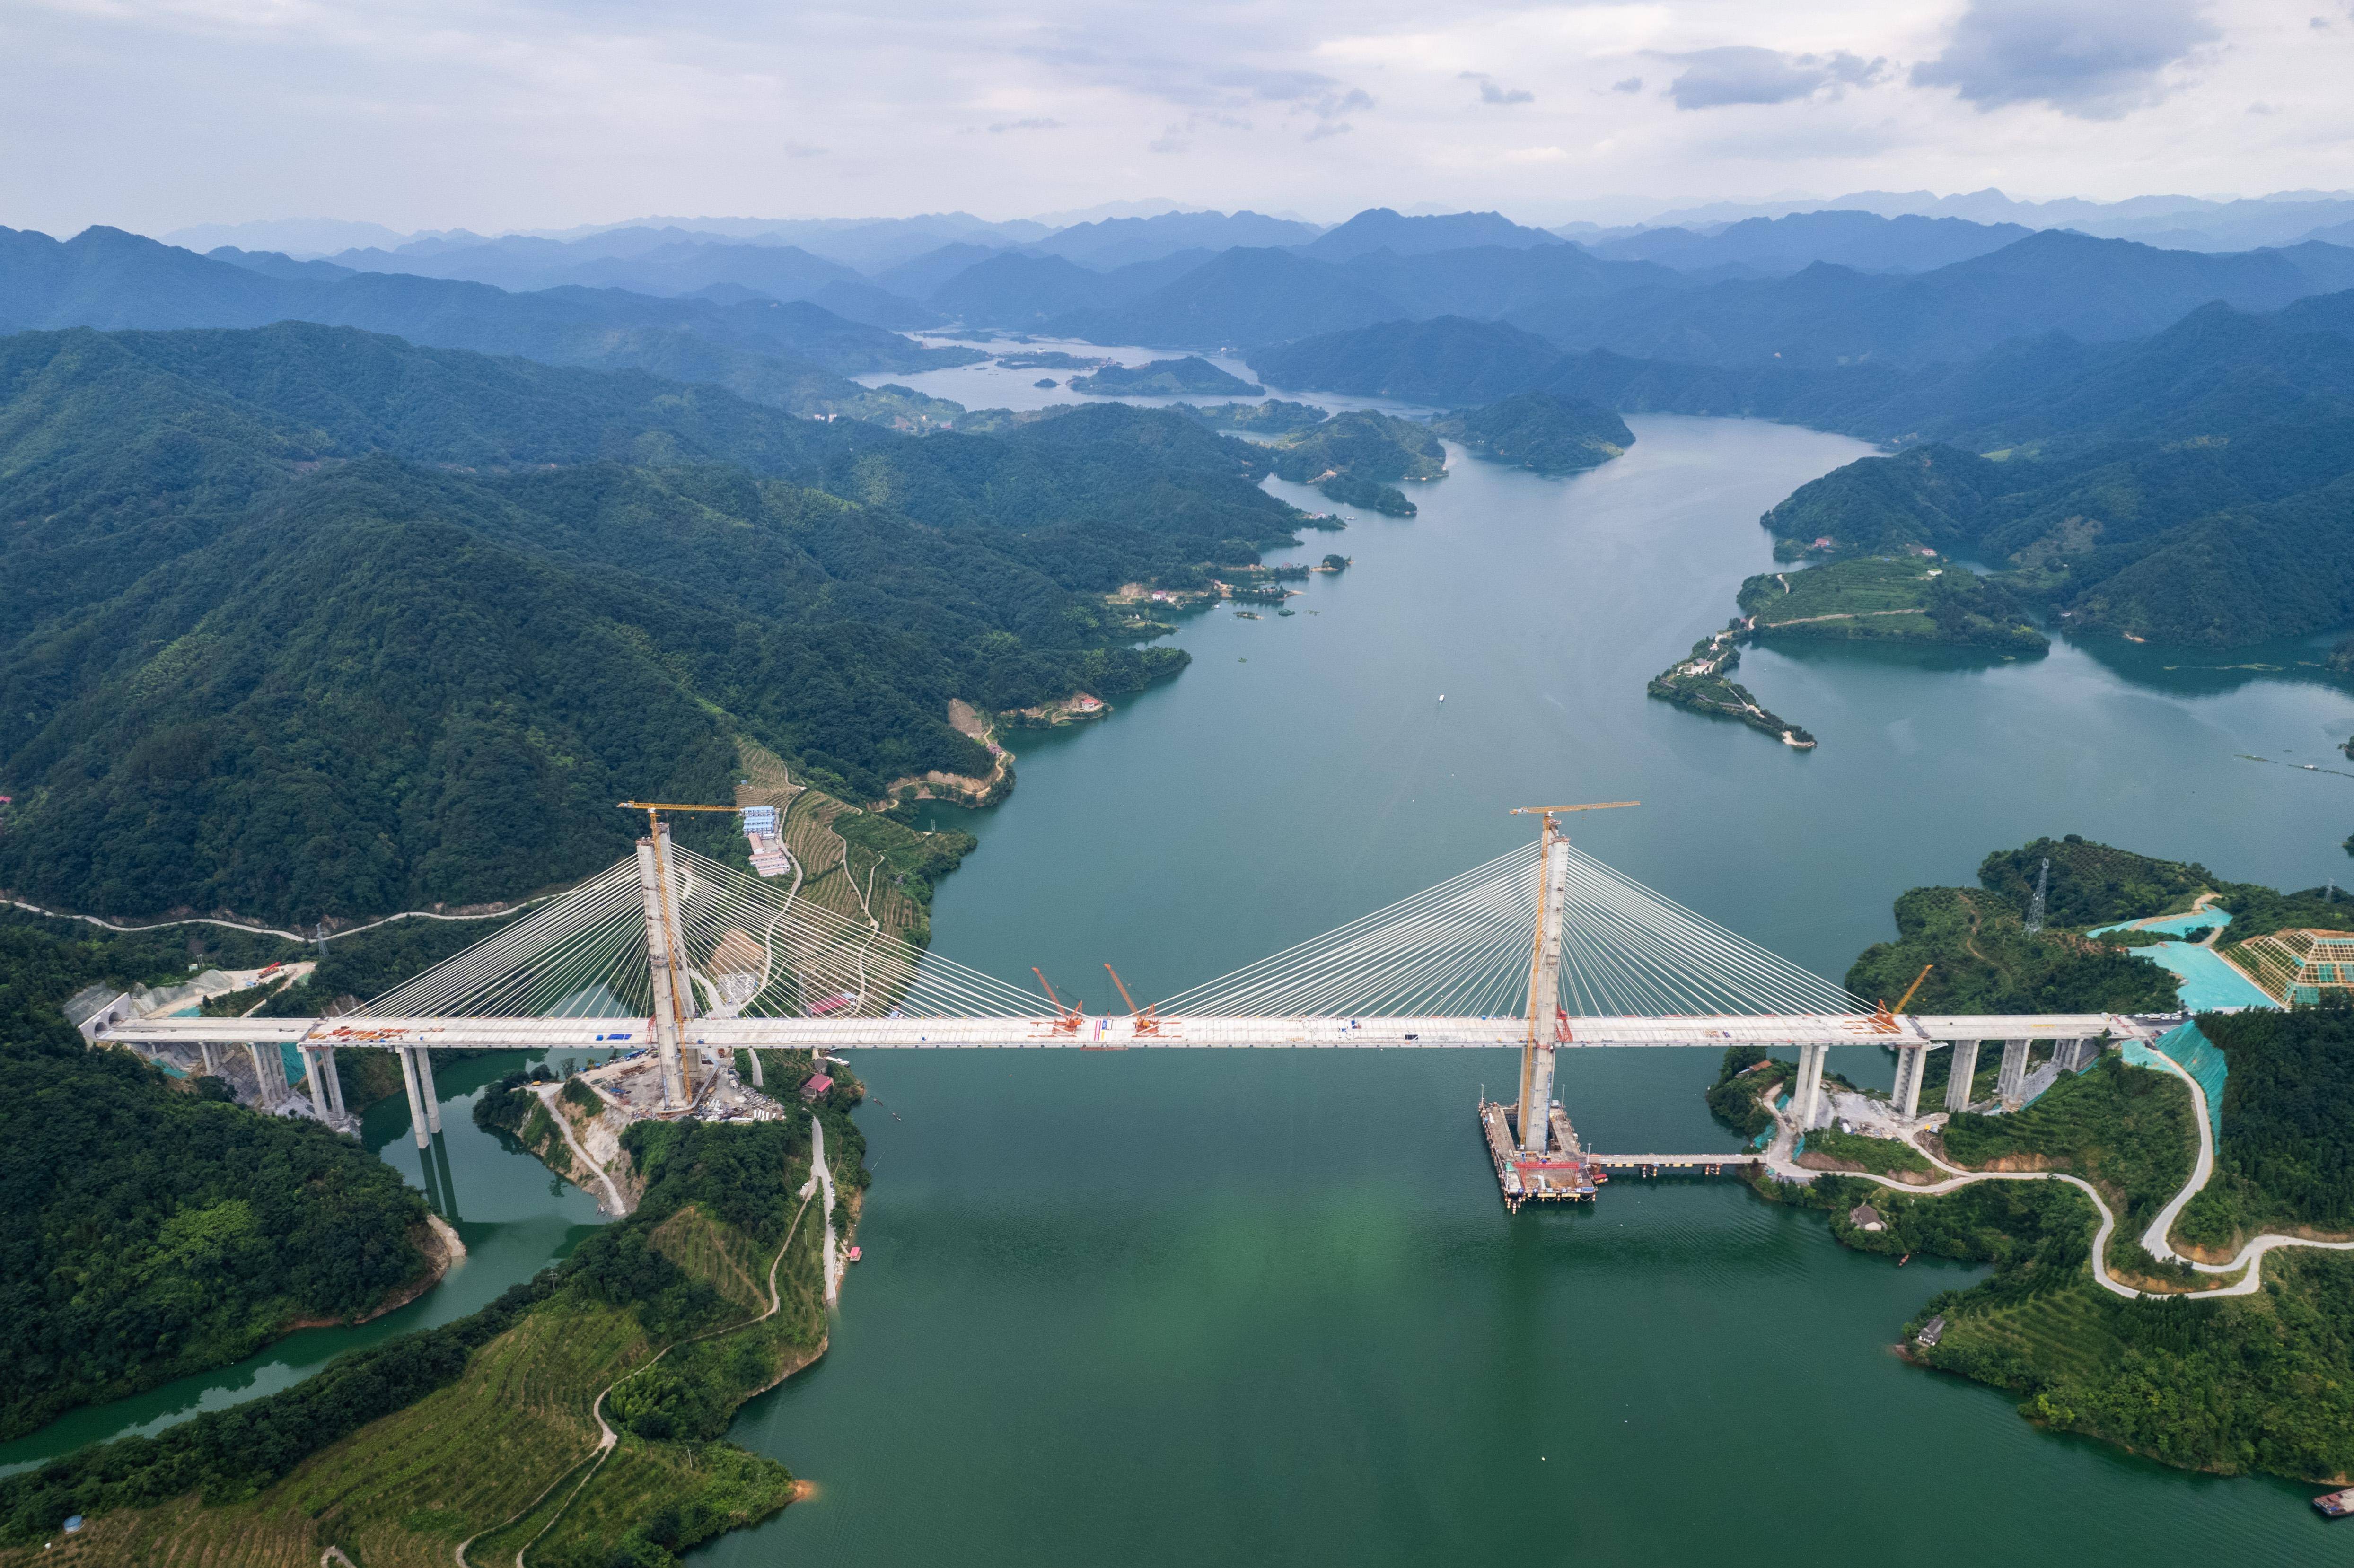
(1544, 949)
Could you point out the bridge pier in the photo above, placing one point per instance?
(416, 1099)
(269, 1075)
(2075, 1056)
(756, 1069)
(1807, 1089)
(2012, 1087)
(311, 1080)
(1965, 1068)
(334, 1083)
(212, 1068)
(425, 1082)
(1906, 1098)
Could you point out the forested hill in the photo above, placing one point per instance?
(796, 355)
(315, 623)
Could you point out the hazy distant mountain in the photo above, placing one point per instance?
(1243, 295)
(1495, 280)
(1863, 240)
(1118, 241)
(1380, 228)
(278, 264)
(795, 354)
(301, 237)
(1011, 289)
(645, 261)
(2093, 289)
(1449, 363)
(918, 279)
(1017, 289)
(2177, 222)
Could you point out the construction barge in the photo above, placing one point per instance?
(1568, 1174)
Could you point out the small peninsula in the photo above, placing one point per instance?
(1359, 457)
(1912, 597)
(1192, 377)
(1542, 431)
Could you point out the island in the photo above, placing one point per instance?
(1541, 432)
(2146, 1212)
(1190, 376)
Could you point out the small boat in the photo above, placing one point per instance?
(2335, 1505)
(853, 1255)
(1442, 696)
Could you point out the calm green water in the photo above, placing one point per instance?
(1265, 1309)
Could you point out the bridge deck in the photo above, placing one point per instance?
(1121, 1033)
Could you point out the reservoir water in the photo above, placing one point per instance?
(1182, 1309)
(1150, 1307)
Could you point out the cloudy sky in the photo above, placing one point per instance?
(505, 114)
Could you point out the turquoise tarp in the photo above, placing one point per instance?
(2206, 982)
(2175, 924)
(2195, 1055)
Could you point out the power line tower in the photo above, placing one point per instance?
(2035, 905)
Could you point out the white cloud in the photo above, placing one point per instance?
(542, 113)
(2094, 58)
(1743, 73)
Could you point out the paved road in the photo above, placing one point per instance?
(1781, 1163)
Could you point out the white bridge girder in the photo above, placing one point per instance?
(1121, 1031)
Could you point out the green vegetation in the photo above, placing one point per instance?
(2127, 1130)
(1349, 491)
(2285, 1158)
(1541, 430)
(1703, 682)
(2092, 883)
(1901, 599)
(1740, 1080)
(1192, 377)
(1988, 961)
(1272, 417)
(410, 621)
(147, 1232)
(1361, 444)
(482, 1430)
(1884, 1156)
(2257, 1382)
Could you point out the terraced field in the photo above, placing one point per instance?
(497, 1457)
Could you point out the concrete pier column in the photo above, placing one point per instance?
(1965, 1067)
(416, 1099)
(662, 972)
(425, 1082)
(311, 1080)
(212, 1068)
(269, 1075)
(756, 1069)
(335, 1083)
(1906, 1098)
(2075, 1056)
(2012, 1087)
(1807, 1089)
(1544, 995)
